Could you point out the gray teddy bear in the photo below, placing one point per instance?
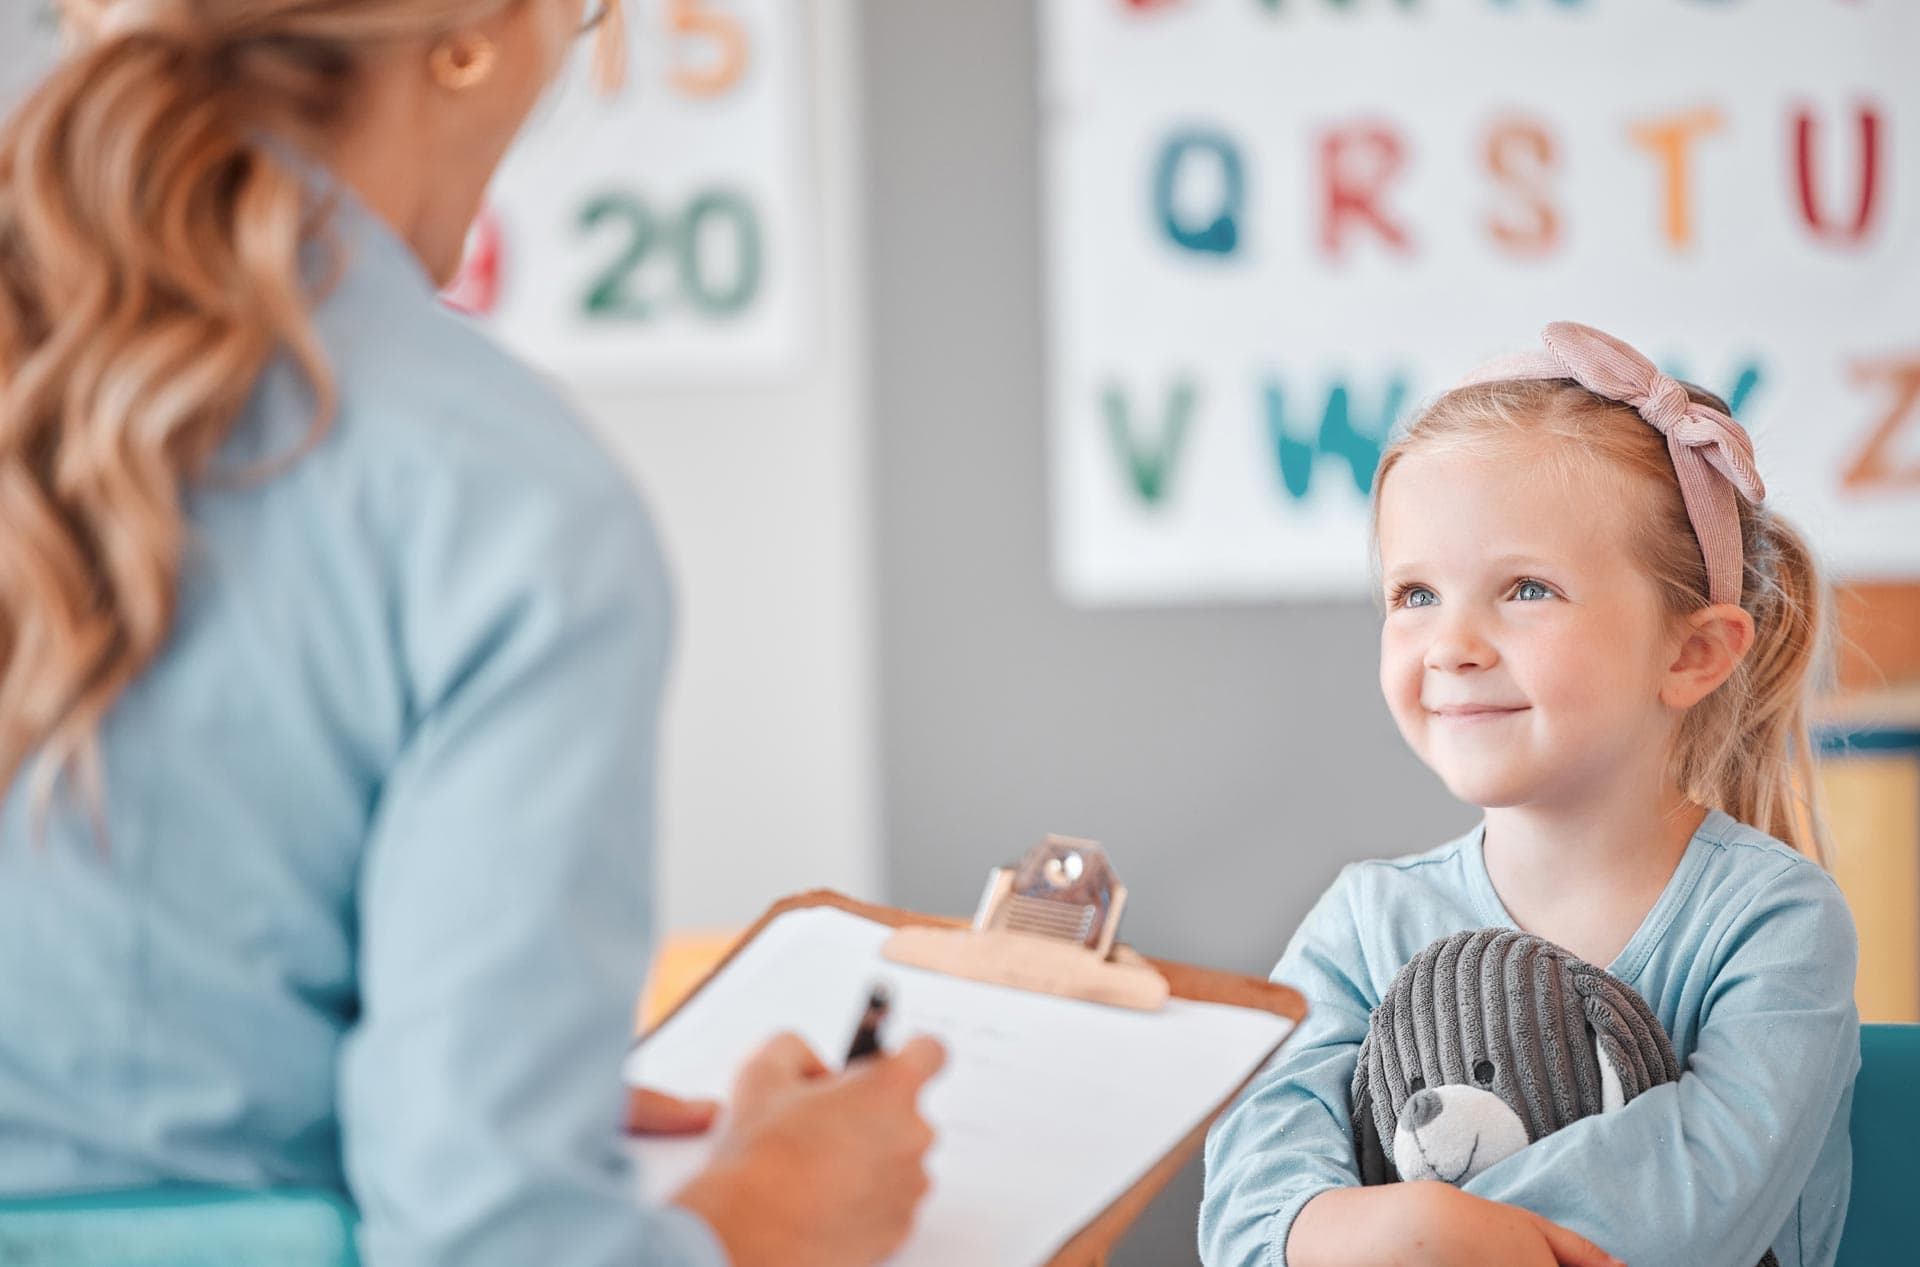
(1488, 1040)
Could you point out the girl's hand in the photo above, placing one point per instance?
(657, 1113)
(1457, 1229)
(814, 1168)
(1431, 1224)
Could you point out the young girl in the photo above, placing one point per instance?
(1597, 632)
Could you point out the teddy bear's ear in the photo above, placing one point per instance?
(1635, 1053)
(1369, 1150)
(1612, 1094)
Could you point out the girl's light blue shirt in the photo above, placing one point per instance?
(373, 907)
(1747, 958)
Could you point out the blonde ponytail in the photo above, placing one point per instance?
(156, 235)
(1748, 748)
(150, 265)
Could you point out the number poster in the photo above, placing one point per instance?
(658, 233)
(655, 234)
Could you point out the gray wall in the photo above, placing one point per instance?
(1231, 758)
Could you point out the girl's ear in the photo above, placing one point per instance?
(1713, 642)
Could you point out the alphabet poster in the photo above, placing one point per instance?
(1275, 227)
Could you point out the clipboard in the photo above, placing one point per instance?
(1090, 1245)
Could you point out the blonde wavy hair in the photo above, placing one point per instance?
(1745, 749)
(152, 233)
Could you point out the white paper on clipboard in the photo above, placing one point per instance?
(1048, 1110)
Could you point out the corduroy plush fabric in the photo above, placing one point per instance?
(1515, 1006)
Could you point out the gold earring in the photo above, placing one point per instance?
(463, 63)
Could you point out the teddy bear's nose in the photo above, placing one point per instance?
(1422, 1109)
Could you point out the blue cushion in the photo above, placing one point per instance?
(1885, 1123)
(180, 1227)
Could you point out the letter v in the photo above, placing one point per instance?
(1149, 467)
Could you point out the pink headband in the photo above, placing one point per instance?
(1712, 455)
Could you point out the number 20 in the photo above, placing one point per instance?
(614, 293)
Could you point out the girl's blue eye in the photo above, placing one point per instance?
(1414, 596)
(1532, 591)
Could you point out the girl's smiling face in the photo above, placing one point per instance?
(1523, 650)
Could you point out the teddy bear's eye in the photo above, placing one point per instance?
(1418, 1084)
(1483, 1072)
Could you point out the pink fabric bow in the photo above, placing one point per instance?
(1712, 454)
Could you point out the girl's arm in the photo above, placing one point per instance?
(1282, 1186)
(1708, 1169)
(1289, 1138)
(1430, 1224)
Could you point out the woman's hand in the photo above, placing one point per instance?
(817, 1169)
(657, 1113)
(1430, 1224)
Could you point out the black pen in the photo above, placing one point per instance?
(866, 1039)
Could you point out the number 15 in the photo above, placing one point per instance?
(693, 20)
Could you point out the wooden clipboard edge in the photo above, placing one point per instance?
(1206, 985)
(892, 917)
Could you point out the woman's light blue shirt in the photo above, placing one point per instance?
(1747, 958)
(373, 905)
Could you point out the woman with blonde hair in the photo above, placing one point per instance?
(331, 652)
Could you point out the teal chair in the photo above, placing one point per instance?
(180, 1227)
(1885, 1124)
